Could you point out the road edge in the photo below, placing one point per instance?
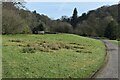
(103, 65)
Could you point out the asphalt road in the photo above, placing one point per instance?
(110, 70)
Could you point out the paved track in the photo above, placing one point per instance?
(111, 68)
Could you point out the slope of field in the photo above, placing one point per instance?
(51, 56)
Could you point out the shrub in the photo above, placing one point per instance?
(118, 39)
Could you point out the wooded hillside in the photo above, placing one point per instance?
(17, 19)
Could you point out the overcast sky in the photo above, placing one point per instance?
(57, 9)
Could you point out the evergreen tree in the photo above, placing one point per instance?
(74, 18)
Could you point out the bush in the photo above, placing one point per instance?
(62, 27)
(26, 30)
(118, 39)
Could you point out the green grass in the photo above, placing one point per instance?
(115, 42)
(51, 56)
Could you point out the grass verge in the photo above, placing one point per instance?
(115, 42)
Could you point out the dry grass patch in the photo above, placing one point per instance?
(45, 46)
(15, 40)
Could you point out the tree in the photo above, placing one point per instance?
(12, 22)
(62, 27)
(65, 19)
(83, 17)
(74, 18)
(111, 30)
(40, 27)
(34, 12)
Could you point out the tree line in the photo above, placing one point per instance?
(102, 22)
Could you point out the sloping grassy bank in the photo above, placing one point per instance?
(51, 56)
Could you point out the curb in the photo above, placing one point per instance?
(103, 65)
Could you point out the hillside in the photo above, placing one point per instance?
(16, 19)
(95, 21)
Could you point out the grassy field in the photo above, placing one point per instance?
(51, 56)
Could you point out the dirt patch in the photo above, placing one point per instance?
(83, 51)
(45, 46)
(15, 40)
